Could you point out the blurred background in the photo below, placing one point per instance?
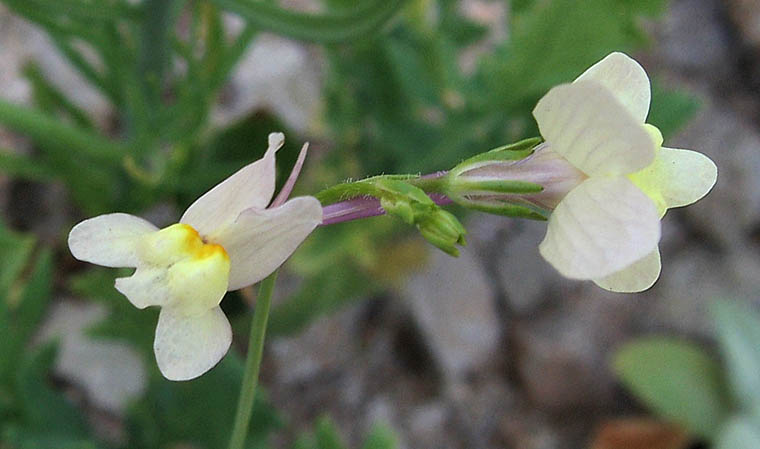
(377, 339)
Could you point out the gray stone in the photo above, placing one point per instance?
(277, 74)
(691, 280)
(453, 304)
(525, 276)
(732, 210)
(21, 42)
(691, 38)
(562, 355)
(746, 15)
(325, 345)
(109, 372)
(425, 425)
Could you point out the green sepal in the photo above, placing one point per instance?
(512, 152)
(494, 186)
(353, 189)
(502, 208)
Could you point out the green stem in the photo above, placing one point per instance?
(252, 362)
(49, 132)
(155, 44)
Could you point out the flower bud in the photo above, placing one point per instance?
(443, 230)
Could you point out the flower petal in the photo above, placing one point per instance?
(634, 278)
(676, 178)
(586, 124)
(251, 186)
(188, 346)
(109, 240)
(599, 228)
(259, 241)
(147, 287)
(626, 79)
(199, 282)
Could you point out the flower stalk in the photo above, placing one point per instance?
(252, 363)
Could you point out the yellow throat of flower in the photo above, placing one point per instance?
(649, 179)
(197, 272)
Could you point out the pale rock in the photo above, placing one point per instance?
(746, 15)
(562, 354)
(277, 74)
(691, 38)
(453, 305)
(732, 210)
(22, 42)
(111, 373)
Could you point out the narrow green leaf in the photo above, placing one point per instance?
(24, 167)
(678, 380)
(21, 438)
(738, 331)
(53, 135)
(16, 250)
(326, 28)
(80, 63)
(35, 297)
(43, 408)
(50, 98)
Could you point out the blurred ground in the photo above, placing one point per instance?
(493, 348)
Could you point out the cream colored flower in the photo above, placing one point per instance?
(607, 228)
(226, 240)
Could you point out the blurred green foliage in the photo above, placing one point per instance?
(684, 383)
(32, 413)
(326, 436)
(399, 98)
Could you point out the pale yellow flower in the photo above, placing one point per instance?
(226, 240)
(607, 228)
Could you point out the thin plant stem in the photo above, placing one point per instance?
(252, 362)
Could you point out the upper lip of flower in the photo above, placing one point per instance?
(611, 220)
(227, 239)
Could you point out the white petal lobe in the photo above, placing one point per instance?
(686, 176)
(147, 287)
(634, 278)
(625, 79)
(261, 240)
(187, 347)
(587, 125)
(109, 240)
(599, 228)
(251, 186)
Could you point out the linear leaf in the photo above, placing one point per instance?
(325, 28)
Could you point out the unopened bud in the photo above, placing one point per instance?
(443, 230)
